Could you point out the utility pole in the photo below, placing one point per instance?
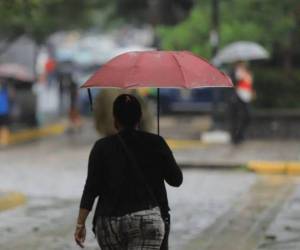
(214, 34)
(215, 41)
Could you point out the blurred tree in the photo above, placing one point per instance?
(167, 12)
(276, 25)
(191, 34)
(273, 23)
(39, 18)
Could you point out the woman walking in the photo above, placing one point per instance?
(127, 172)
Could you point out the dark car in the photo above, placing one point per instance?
(193, 101)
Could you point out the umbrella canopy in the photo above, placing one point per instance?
(240, 51)
(160, 69)
(16, 71)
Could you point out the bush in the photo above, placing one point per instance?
(276, 88)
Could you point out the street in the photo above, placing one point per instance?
(205, 75)
(51, 173)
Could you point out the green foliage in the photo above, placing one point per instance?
(276, 89)
(272, 23)
(39, 18)
(151, 11)
(192, 34)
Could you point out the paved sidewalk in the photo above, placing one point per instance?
(189, 153)
(283, 233)
(261, 156)
(266, 156)
(245, 223)
(12, 199)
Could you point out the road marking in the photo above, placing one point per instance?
(243, 227)
(30, 134)
(275, 167)
(11, 200)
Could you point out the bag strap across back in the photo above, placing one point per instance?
(136, 168)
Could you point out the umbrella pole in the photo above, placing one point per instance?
(90, 98)
(158, 109)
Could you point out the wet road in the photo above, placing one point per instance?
(52, 172)
(50, 220)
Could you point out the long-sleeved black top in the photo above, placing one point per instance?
(118, 186)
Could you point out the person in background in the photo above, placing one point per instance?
(103, 117)
(4, 114)
(240, 102)
(127, 171)
(50, 70)
(64, 71)
(74, 112)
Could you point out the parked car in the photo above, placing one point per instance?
(193, 101)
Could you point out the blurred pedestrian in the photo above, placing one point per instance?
(4, 114)
(103, 117)
(240, 102)
(50, 70)
(127, 171)
(74, 113)
(64, 72)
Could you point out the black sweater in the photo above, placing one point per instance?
(119, 188)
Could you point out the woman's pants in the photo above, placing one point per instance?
(139, 230)
(165, 242)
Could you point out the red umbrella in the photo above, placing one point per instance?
(160, 69)
(16, 71)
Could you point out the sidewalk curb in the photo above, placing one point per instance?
(35, 133)
(176, 144)
(259, 167)
(275, 167)
(210, 166)
(11, 200)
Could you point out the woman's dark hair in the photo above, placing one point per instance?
(127, 110)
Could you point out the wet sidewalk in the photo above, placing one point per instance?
(244, 225)
(266, 218)
(194, 145)
(217, 192)
(283, 233)
(184, 138)
(227, 155)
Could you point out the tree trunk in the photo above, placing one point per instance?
(288, 53)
